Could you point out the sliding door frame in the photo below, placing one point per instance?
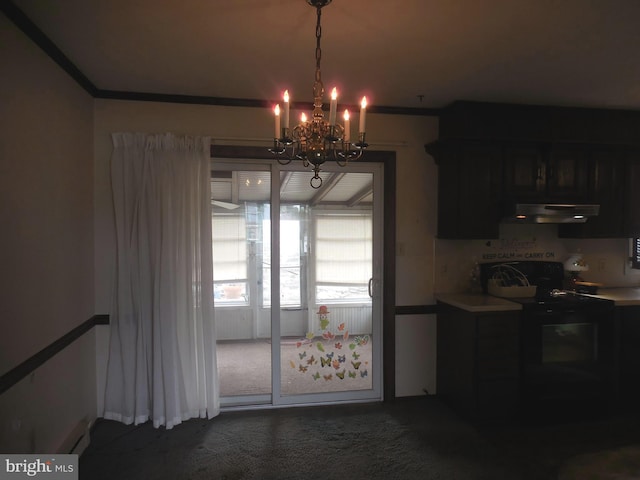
(388, 159)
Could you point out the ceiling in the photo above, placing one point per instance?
(231, 189)
(410, 54)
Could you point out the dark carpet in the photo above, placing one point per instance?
(417, 438)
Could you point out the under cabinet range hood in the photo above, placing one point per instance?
(551, 213)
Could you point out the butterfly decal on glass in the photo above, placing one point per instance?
(340, 375)
(328, 377)
(328, 335)
(312, 360)
(356, 365)
(330, 355)
(316, 375)
(342, 358)
(362, 340)
(364, 373)
(302, 355)
(356, 355)
(303, 369)
(352, 374)
(325, 362)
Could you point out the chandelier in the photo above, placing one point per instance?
(317, 140)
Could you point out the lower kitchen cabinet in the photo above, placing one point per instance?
(478, 363)
(628, 360)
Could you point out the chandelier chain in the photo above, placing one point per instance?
(318, 49)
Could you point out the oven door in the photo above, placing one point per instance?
(567, 356)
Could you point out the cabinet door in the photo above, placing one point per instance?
(567, 174)
(524, 173)
(607, 177)
(469, 190)
(538, 173)
(498, 346)
(480, 191)
(629, 357)
(447, 191)
(631, 201)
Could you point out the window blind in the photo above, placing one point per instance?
(635, 253)
(343, 248)
(229, 247)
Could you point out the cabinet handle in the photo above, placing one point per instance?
(370, 287)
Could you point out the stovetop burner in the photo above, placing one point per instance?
(548, 277)
(560, 299)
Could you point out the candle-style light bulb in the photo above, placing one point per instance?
(276, 111)
(333, 106)
(363, 112)
(286, 109)
(303, 117)
(347, 126)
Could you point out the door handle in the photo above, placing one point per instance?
(370, 287)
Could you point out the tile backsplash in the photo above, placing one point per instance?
(455, 259)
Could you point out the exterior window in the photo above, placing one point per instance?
(337, 251)
(635, 253)
(230, 258)
(291, 224)
(343, 257)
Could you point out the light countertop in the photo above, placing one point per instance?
(477, 302)
(623, 296)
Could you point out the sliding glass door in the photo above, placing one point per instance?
(301, 267)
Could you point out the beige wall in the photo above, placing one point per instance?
(46, 244)
(416, 194)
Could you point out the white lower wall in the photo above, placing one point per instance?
(415, 355)
(41, 412)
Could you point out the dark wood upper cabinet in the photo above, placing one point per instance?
(631, 202)
(491, 156)
(469, 189)
(524, 172)
(607, 177)
(540, 173)
(566, 174)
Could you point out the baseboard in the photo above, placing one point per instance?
(78, 439)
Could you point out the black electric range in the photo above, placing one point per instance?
(566, 346)
(549, 278)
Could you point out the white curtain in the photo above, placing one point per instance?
(162, 361)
